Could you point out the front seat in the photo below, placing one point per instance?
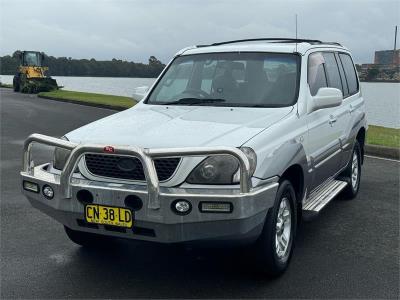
(257, 83)
(283, 90)
(225, 86)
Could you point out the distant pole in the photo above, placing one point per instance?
(296, 30)
(395, 41)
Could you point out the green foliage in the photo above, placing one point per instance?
(92, 98)
(378, 135)
(17, 54)
(37, 86)
(63, 66)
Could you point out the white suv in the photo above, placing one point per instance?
(235, 141)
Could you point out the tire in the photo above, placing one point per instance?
(87, 239)
(353, 166)
(271, 261)
(16, 84)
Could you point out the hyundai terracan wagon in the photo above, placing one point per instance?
(235, 141)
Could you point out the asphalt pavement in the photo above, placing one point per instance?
(351, 250)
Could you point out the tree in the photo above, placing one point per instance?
(155, 66)
(153, 61)
(17, 54)
(67, 66)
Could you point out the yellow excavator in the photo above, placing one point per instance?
(31, 75)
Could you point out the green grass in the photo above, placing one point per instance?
(90, 98)
(383, 136)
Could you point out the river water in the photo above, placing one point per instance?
(382, 99)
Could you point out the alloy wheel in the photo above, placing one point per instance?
(354, 171)
(283, 229)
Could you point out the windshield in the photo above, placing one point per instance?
(230, 79)
(31, 59)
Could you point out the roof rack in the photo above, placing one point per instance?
(274, 40)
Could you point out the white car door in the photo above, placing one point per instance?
(324, 127)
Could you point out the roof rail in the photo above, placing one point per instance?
(276, 40)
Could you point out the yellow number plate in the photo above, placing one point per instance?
(108, 215)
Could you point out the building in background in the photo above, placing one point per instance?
(386, 67)
(387, 57)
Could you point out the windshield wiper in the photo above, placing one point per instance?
(193, 101)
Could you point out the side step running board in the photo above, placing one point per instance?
(323, 195)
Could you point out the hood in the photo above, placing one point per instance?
(160, 126)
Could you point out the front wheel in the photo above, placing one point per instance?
(16, 84)
(275, 245)
(87, 239)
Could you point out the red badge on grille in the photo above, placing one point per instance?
(109, 149)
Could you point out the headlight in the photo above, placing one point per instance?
(60, 156)
(218, 169)
(221, 169)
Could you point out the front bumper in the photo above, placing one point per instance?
(155, 221)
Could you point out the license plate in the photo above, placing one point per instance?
(108, 215)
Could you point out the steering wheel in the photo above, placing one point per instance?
(194, 92)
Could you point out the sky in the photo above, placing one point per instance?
(134, 30)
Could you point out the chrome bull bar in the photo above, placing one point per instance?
(145, 155)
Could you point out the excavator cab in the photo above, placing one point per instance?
(31, 58)
(31, 74)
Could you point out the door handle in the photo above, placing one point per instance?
(332, 120)
(352, 108)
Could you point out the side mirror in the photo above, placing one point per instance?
(139, 93)
(326, 97)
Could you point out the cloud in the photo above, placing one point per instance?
(134, 30)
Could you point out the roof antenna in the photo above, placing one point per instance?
(296, 30)
(395, 41)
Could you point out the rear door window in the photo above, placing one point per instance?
(343, 77)
(316, 72)
(350, 73)
(332, 71)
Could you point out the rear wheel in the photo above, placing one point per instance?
(275, 245)
(352, 174)
(87, 239)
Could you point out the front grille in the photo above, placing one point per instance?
(129, 168)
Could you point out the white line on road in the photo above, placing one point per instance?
(382, 158)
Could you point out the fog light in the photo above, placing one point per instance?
(133, 202)
(181, 207)
(216, 207)
(30, 186)
(48, 192)
(84, 196)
